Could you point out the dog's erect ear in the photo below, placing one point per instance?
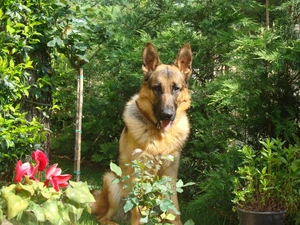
(183, 61)
(150, 59)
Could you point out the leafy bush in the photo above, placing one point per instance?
(269, 180)
(212, 193)
(18, 136)
(149, 192)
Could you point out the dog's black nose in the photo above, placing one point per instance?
(167, 114)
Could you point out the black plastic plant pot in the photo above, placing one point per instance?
(260, 218)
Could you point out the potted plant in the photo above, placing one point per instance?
(267, 184)
(42, 195)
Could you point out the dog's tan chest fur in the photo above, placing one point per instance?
(144, 135)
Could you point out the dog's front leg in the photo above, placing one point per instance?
(174, 199)
(135, 216)
(135, 212)
(171, 171)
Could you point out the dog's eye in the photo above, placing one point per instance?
(176, 89)
(157, 89)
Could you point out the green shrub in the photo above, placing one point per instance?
(150, 192)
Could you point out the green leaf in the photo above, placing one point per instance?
(165, 204)
(170, 216)
(48, 192)
(115, 168)
(189, 222)
(115, 181)
(168, 157)
(56, 41)
(179, 183)
(1, 214)
(51, 211)
(296, 138)
(64, 212)
(74, 213)
(38, 211)
(15, 204)
(83, 57)
(10, 29)
(80, 46)
(79, 193)
(144, 219)
(264, 170)
(29, 188)
(128, 206)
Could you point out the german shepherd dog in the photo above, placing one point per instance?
(156, 124)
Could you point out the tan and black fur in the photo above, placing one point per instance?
(156, 124)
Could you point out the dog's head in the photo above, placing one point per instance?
(164, 93)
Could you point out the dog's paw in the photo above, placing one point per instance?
(107, 222)
(96, 193)
(136, 152)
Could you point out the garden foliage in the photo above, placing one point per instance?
(152, 194)
(245, 82)
(30, 200)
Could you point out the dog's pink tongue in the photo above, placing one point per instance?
(166, 124)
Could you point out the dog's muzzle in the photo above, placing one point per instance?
(166, 118)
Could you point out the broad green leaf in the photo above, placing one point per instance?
(175, 210)
(10, 29)
(115, 168)
(29, 188)
(144, 219)
(16, 205)
(74, 213)
(170, 216)
(179, 189)
(167, 204)
(49, 192)
(83, 57)
(27, 217)
(51, 211)
(128, 206)
(38, 211)
(179, 183)
(79, 192)
(80, 46)
(56, 41)
(63, 212)
(8, 190)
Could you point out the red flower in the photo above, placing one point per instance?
(24, 169)
(41, 159)
(53, 175)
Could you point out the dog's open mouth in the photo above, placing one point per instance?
(166, 124)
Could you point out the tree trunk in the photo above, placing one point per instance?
(267, 14)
